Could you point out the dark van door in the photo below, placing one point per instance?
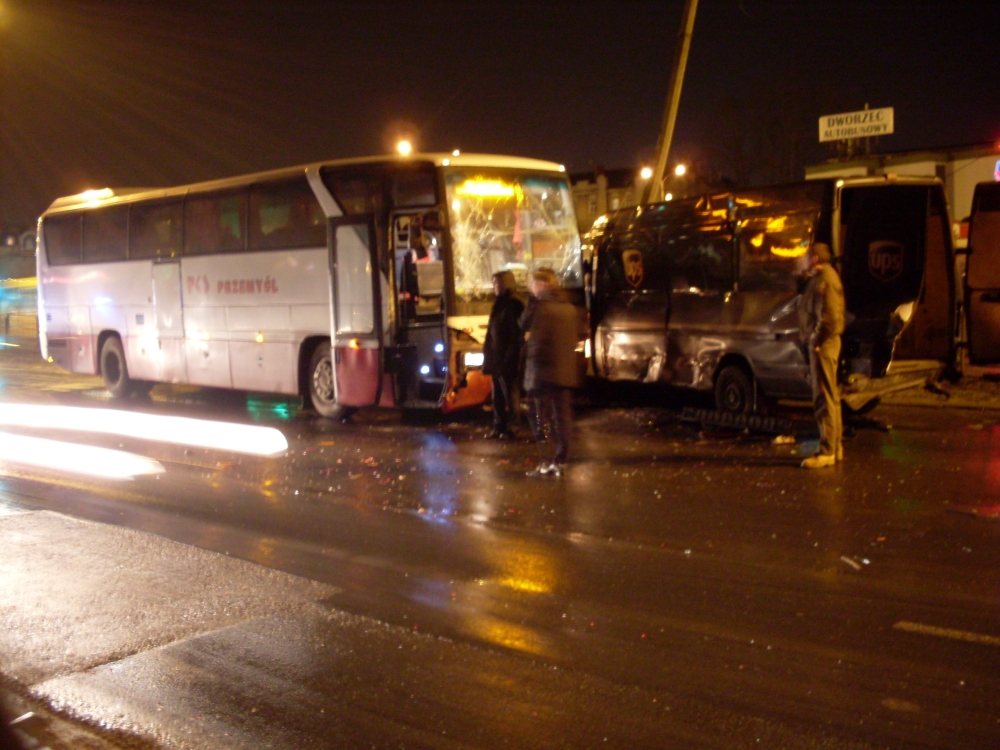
(982, 276)
(630, 306)
(897, 272)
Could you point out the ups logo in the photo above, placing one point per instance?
(885, 260)
(632, 260)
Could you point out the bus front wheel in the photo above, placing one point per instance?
(321, 392)
(114, 370)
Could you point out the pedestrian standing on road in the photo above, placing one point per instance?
(502, 353)
(823, 320)
(551, 369)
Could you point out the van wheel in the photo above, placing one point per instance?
(321, 392)
(734, 390)
(114, 370)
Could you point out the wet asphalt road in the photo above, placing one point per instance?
(672, 590)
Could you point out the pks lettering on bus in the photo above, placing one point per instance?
(198, 284)
(201, 284)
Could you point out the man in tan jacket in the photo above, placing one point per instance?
(823, 305)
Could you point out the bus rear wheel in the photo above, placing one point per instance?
(321, 392)
(114, 370)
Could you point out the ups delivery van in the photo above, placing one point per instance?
(703, 292)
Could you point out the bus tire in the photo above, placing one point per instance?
(142, 388)
(114, 369)
(321, 393)
(734, 390)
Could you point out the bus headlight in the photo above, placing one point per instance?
(472, 359)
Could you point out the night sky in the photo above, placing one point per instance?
(146, 93)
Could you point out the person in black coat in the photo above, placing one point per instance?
(552, 368)
(502, 353)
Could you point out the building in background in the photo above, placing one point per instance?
(605, 190)
(17, 254)
(960, 168)
(602, 190)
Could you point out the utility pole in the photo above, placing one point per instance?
(654, 188)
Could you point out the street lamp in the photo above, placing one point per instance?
(404, 147)
(680, 170)
(646, 173)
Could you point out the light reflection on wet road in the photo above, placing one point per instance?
(709, 567)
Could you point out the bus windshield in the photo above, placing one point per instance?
(507, 221)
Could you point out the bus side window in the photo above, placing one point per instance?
(155, 230)
(63, 235)
(105, 234)
(414, 188)
(214, 223)
(357, 193)
(285, 215)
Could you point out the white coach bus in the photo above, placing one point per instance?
(351, 283)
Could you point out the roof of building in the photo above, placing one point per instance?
(617, 178)
(942, 153)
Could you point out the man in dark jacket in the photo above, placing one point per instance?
(502, 353)
(552, 369)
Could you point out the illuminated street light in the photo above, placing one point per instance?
(646, 173)
(405, 148)
(456, 152)
(680, 170)
(668, 197)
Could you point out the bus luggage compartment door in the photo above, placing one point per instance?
(169, 317)
(356, 311)
(982, 276)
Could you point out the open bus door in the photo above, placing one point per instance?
(982, 276)
(419, 358)
(357, 325)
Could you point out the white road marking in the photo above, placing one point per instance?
(957, 635)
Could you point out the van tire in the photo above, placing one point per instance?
(321, 392)
(114, 369)
(734, 390)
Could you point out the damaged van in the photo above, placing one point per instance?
(703, 292)
(982, 276)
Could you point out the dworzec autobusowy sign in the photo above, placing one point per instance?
(865, 123)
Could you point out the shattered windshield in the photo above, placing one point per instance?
(504, 221)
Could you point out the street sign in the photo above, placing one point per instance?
(862, 124)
